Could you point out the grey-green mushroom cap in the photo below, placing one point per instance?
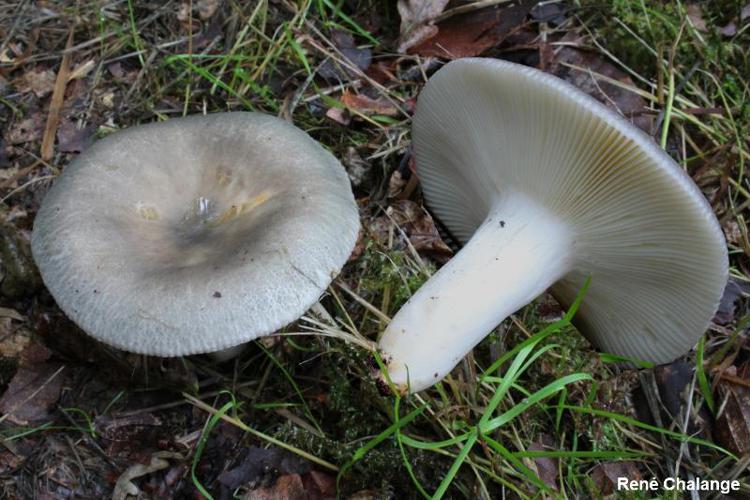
(548, 187)
(195, 234)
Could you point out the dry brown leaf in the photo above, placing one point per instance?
(546, 467)
(732, 429)
(360, 171)
(605, 475)
(471, 34)
(416, 223)
(339, 116)
(319, 485)
(695, 14)
(416, 18)
(207, 8)
(287, 486)
(581, 68)
(13, 340)
(727, 305)
(29, 129)
(729, 30)
(71, 139)
(81, 70)
(14, 337)
(335, 69)
(367, 105)
(33, 391)
(40, 81)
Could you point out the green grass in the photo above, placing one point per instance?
(471, 433)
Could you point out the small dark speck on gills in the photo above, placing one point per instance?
(502, 223)
(217, 295)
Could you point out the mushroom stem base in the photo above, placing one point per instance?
(516, 254)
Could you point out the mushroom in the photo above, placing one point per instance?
(195, 234)
(547, 187)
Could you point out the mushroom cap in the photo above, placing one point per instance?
(642, 230)
(195, 234)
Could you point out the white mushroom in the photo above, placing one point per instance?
(195, 234)
(548, 187)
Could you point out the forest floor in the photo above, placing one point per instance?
(300, 417)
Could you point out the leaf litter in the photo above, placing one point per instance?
(134, 426)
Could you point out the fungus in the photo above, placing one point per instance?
(547, 187)
(195, 234)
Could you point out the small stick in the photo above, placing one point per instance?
(53, 118)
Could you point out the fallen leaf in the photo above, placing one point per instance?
(126, 429)
(360, 171)
(368, 105)
(187, 21)
(416, 19)
(383, 71)
(122, 74)
(396, 183)
(551, 13)
(732, 428)
(546, 467)
(339, 116)
(81, 70)
(71, 139)
(580, 69)
(366, 495)
(605, 475)
(471, 34)
(256, 464)
(8, 313)
(40, 81)
(729, 30)
(14, 337)
(289, 486)
(672, 380)
(732, 232)
(33, 391)
(695, 14)
(732, 293)
(29, 129)
(416, 223)
(207, 8)
(34, 354)
(19, 276)
(356, 57)
(125, 486)
(319, 485)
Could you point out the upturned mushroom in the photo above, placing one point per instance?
(547, 187)
(195, 234)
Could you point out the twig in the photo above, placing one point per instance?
(735, 380)
(53, 117)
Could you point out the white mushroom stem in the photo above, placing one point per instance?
(519, 251)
